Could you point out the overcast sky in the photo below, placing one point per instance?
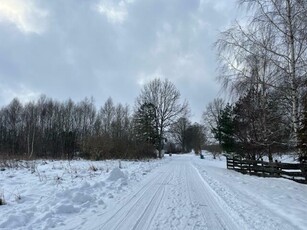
(110, 48)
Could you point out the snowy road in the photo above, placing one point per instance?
(175, 196)
(179, 192)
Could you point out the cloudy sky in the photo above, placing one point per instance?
(101, 48)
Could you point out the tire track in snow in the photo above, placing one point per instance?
(211, 206)
(244, 208)
(174, 197)
(151, 195)
(141, 223)
(188, 188)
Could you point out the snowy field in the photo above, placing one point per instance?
(45, 193)
(178, 192)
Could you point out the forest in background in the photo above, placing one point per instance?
(47, 128)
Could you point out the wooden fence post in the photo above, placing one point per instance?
(233, 162)
(262, 168)
(227, 162)
(304, 170)
(278, 169)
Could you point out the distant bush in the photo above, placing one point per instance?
(214, 149)
(141, 151)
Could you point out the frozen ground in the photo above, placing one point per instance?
(178, 192)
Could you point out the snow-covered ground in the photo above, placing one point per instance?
(178, 192)
(262, 203)
(43, 194)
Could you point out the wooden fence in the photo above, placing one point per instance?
(292, 171)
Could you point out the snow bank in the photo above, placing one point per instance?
(48, 194)
(117, 174)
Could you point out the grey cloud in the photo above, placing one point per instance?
(81, 53)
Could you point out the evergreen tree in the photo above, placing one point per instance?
(302, 146)
(224, 131)
(259, 126)
(145, 124)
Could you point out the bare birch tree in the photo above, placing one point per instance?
(276, 37)
(107, 113)
(211, 116)
(30, 116)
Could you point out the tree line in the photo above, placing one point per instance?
(47, 128)
(263, 65)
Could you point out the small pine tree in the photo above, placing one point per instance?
(224, 131)
(145, 124)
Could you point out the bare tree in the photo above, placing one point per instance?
(86, 117)
(275, 40)
(166, 99)
(196, 138)
(211, 116)
(30, 117)
(179, 132)
(288, 21)
(107, 113)
(14, 118)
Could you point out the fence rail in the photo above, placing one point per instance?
(292, 171)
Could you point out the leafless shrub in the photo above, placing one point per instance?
(17, 196)
(10, 164)
(41, 177)
(31, 165)
(58, 179)
(93, 168)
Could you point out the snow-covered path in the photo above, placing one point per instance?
(189, 193)
(175, 193)
(174, 197)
